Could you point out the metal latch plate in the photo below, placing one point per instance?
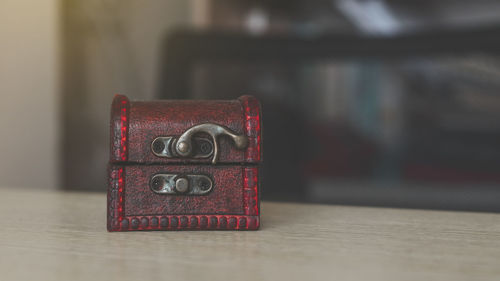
(181, 184)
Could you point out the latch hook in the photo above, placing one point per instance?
(184, 144)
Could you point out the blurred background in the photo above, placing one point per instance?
(379, 103)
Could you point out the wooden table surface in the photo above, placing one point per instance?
(58, 235)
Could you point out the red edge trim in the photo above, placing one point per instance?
(251, 191)
(119, 128)
(253, 154)
(252, 116)
(120, 109)
(115, 197)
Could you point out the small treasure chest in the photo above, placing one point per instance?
(184, 165)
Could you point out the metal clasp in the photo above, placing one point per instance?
(186, 145)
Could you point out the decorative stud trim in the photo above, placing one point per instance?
(188, 222)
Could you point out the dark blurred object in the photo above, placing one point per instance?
(225, 64)
(186, 49)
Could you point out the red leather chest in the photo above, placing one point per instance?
(184, 165)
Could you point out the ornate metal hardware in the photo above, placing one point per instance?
(181, 184)
(186, 145)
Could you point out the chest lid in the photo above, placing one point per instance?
(185, 131)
